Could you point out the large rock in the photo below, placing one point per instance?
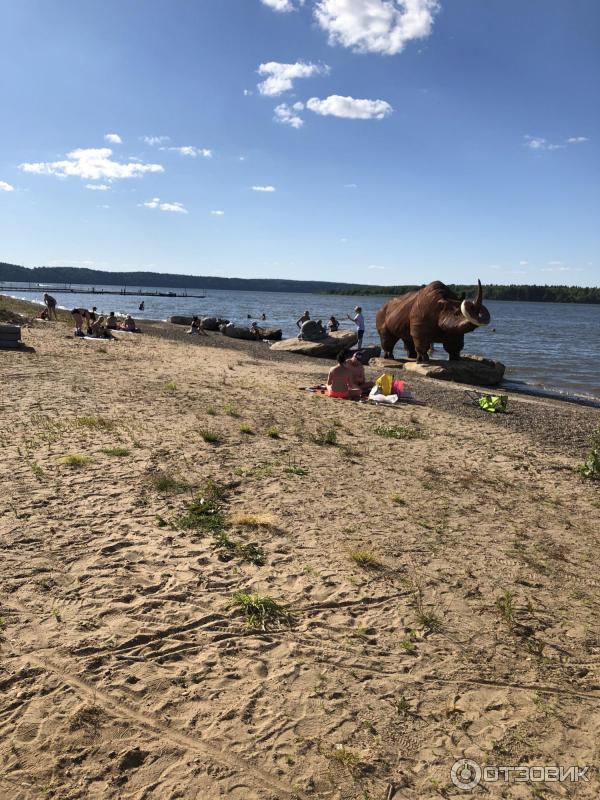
(239, 332)
(208, 323)
(472, 369)
(324, 348)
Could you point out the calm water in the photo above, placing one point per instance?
(549, 345)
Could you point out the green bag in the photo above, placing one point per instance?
(493, 403)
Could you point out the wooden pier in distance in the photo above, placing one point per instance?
(93, 290)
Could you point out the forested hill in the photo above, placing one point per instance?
(93, 277)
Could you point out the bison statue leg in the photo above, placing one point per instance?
(422, 350)
(409, 347)
(453, 347)
(388, 342)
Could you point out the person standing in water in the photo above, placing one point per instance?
(141, 306)
(359, 321)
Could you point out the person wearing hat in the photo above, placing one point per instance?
(359, 321)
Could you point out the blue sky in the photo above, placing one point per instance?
(373, 141)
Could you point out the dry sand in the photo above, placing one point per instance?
(125, 672)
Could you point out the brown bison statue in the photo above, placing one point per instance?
(431, 314)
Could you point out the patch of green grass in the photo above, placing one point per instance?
(245, 428)
(98, 423)
(209, 436)
(230, 410)
(273, 433)
(37, 470)
(590, 469)
(75, 460)
(408, 643)
(506, 606)
(264, 470)
(231, 548)
(364, 558)
(403, 706)
(116, 452)
(398, 432)
(326, 437)
(2, 625)
(161, 521)
(170, 386)
(205, 513)
(57, 614)
(260, 610)
(211, 411)
(430, 621)
(343, 756)
(396, 498)
(166, 483)
(293, 470)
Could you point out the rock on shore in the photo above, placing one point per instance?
(471, 368)
(328, 347)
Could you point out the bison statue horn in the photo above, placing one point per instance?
(475, 312)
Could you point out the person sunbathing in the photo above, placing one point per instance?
(100, 329)
(357, 372)
(129, 324)
(112, 323)
(339, 381)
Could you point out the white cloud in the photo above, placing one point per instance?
(280, 77)
(350, 186)
(288, 115)
(6, 187)
(263, 188)
(92, 164)
(375, 266)
(157, 203)
(155, 140)
(523, 263)
(375, 26)
(113, 138)
(349, 108)
(189, 150)
(539, 143)
(283, 5)
(577, 139)
(97, 187)
(218, 213)
(248, 92)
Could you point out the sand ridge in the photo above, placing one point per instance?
(443, 587)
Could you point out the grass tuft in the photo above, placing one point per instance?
(326, 437)
(209, 436)
(253, 520)
(75, 460)
(116, 452)
(273, 433)
(364, 558)
(398, 432)
(260, 610)
(506, 606)
(170, 386)
(205, 512)
(165, 483)
(396, 498)
(293, 470)
(245, 428)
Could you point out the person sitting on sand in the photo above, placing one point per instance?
(129, 324)
(304, 318)
(339, 380)
(43, 314)
(196, 327)
(357, 372)
(50, 303)
(112, 323)
(333, 325)
(100, 329)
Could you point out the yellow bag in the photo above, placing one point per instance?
(385, 383)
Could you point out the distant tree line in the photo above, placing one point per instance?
(521, 292)
(95, 277)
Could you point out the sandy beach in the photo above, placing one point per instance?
(437, 590)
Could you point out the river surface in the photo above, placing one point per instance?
(554, 346)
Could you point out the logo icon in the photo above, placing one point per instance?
(465, 774)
